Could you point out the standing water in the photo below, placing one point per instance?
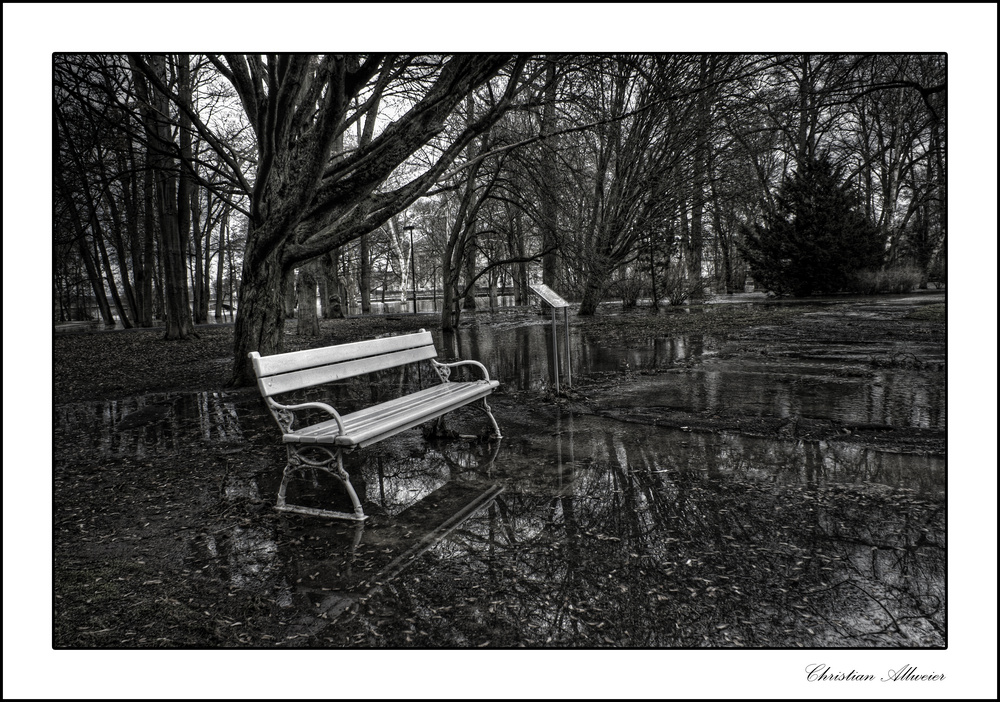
(576, 529)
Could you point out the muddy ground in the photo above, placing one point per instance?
(165, 535)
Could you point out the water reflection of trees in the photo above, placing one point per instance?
(902, 398)
(147, 424)
(629, 540)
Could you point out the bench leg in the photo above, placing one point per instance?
(489, 413)
(296, 463)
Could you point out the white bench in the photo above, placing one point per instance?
(322, 445)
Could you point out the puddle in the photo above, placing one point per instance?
(577, 530)
(789, 390)
(148, 424)
(899, 384)
(521, 357)
(602, 533)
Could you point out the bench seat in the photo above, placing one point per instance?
(372, 424)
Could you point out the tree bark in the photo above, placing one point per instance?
(335, 302)
(594, 288)
(306, 284)
(260, 323)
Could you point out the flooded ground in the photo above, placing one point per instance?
(779, 487)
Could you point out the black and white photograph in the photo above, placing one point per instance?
(589, 368)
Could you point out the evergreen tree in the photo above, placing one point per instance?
(816, 237)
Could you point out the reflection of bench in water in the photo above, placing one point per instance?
(375, 555)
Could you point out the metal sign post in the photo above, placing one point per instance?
(555, 302)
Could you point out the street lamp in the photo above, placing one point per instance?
(413, 268)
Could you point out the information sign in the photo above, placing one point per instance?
(549, 295)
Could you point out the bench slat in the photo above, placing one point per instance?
(310, 377)
(439, 400)
(377, 431)
(311, 358)
(375, 423)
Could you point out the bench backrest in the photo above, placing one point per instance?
(286, 372)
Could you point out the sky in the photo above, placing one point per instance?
(32, 32)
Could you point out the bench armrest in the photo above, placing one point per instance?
(277, 409)
(444, 369)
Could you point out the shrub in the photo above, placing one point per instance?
(677, 288)
(900, 279)
(629, 286)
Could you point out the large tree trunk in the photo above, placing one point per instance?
(159, 308)
(206, 260)
(598, 275)
(260, 323)
(469, 255)
(364, 254)
(724, 238)
(172, 248)
(288, 301)
(177, 236)
(200, 297)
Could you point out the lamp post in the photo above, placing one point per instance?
(434, 286)
(413, 269)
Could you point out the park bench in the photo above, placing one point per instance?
(321, 445)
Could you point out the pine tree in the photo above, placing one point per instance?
(816, 238)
